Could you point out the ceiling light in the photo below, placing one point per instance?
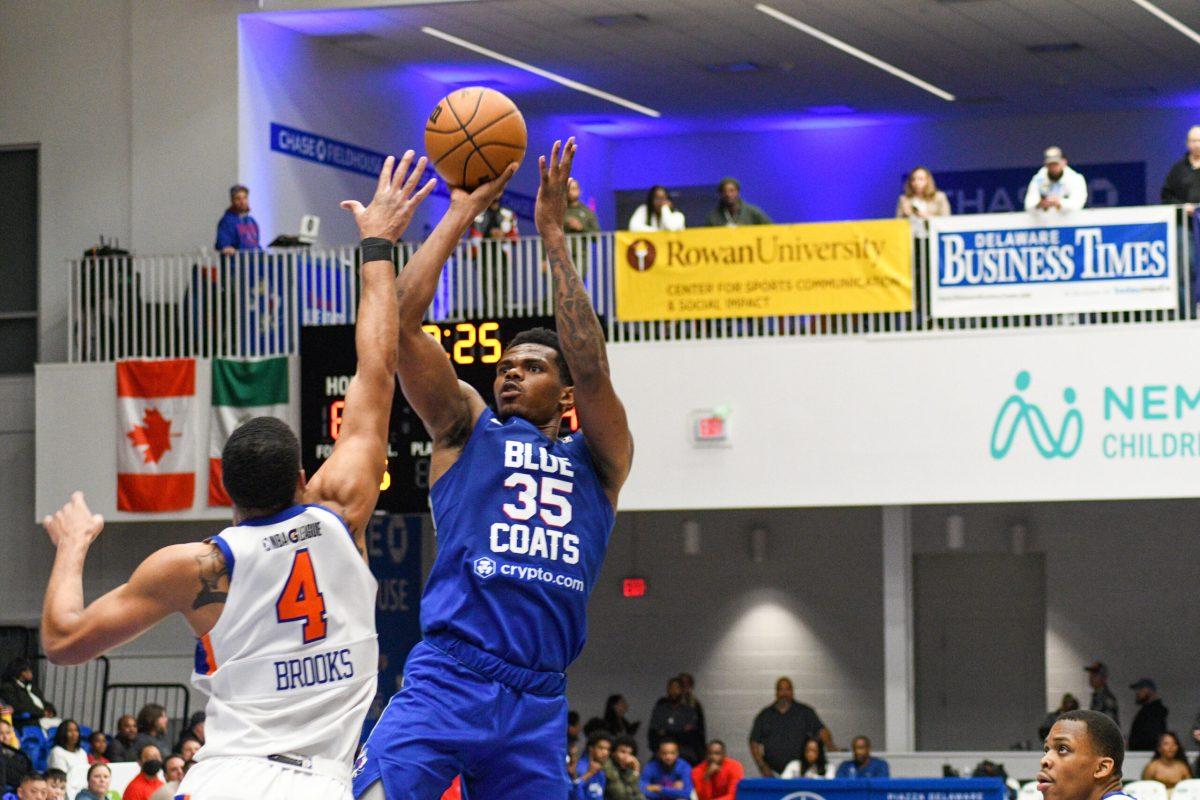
(547, 74)
(1191, 33)
(1054, 47)
(833, 41)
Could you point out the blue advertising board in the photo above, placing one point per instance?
(995, 191)
(873, 789)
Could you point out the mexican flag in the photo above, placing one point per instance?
(156, 452)
(242, 389)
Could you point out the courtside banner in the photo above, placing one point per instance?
(1104, 259)
(765, 270)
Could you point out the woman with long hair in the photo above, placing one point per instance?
(69, 756)
(1169, 765)
(921, 198)
(812, 762)
(656, 214)
(615, 709)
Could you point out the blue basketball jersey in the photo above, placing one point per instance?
(522, 525)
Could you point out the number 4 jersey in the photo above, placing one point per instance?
(522, 526)
(290, 666)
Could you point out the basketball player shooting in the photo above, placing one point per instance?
(282, 602)
(523, 518)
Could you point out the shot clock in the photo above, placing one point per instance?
(327, 362)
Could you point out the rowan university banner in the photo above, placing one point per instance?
(765, 270)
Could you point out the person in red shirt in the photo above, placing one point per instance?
(717, 776)
(147, 781)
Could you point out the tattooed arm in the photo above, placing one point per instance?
(601, 414)
(188, 578)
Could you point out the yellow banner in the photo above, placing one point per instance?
(765, 270)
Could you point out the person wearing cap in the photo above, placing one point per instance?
(1056, 185)
(1103, 700)
(732, 211)
(237, 230)
(1151, 719)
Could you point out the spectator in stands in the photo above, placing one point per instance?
(1169, 765)
(921, 198)
(14, 764)
(56, 784)
(69, 756)
(146, 782)
(863, 765)
(99, 778)
(589, 776)
(194, 730)
(99, 751)
(1083, 758)
(615, 709)
(1069, 703)
(717, 776)
(667, 776)
(812, 762)
(1103, 700)
(1151, 720)
(189, 747)
(657, 213)
(1056, 185)
(780, 730)
(1182, 185)
(173, 769)
(497, 221)
(693, 743)
(8, 736)
(33, 787)
(1196, 738)
(237, 230)
(18, 691)
(50, 719)
(622, 772)
(732, 210)
(121, 748)
(152, 728)
(579, 218)
(672, 717)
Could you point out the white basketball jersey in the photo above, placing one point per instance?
(290, 667)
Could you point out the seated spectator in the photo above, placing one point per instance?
(50, 719)
(1182, 184)
(496, 222)
(189, 747)
(17, 690)
(33, 787)
(14, 764)
(921, 198)
(237, 230)
(120, 747)
(863, 765)
(622, 772)
(579, 218)
(146, 782)
(672, 717)
(194, 730)
(1056, 185)
(667, 775)
(615, 709)
(589, 777)
(657, 213)
(99, 778)
(56, 784)
(99, 743)
(1069, 703)
(1169, 765)
(717, 776)
(780, 730)
(152, 728)
(732, 211)
(811, 764)
(173, 769)
(69, 756)
(8, 736)
(692, 745)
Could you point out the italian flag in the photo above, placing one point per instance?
(242, 390)
(156, 451)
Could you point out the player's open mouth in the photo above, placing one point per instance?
(1043, 782)
(509, 390)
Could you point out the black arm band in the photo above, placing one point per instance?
(375, 249)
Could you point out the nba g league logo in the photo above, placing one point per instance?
(1018, 414)
(640, 255)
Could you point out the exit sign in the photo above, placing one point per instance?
(633, 587)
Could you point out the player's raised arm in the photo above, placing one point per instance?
(447, 408)
(601, 414)
(349, 480)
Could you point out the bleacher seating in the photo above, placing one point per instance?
(1146, 790)
(1187, 790)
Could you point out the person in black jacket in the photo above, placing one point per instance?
(1182, 185)
(14, 764)
(18, 691)
(1151, 720)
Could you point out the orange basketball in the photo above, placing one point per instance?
(473, 135)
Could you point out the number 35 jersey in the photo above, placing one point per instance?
(290, 666)
(522, 525)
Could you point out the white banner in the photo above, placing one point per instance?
(1106, 259)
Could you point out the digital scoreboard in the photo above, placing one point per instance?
(327, 363)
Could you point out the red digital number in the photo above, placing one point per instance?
(302, 600)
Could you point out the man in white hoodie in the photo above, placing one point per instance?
(1056, 185)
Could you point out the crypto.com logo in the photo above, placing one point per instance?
(485, 567)
(640, 254)
(1017, 413)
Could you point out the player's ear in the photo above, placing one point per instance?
(566, 401)
(1104, 768)
(301, 483)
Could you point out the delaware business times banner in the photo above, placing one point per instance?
(1119, 259)
(765, 270)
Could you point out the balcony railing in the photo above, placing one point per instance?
(253, 304)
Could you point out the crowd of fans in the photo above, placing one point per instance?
(45, 757)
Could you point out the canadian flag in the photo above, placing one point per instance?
(156, 450)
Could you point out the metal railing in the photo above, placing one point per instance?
(253, 304)
(129, 698)
(77, 692)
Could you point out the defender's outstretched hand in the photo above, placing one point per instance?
(74, 523)
(551, 204)
(392, 208)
